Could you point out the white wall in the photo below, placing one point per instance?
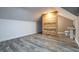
(15, 22)
(77, 30)
(10, 29)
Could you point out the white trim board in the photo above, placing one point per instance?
(10, 38)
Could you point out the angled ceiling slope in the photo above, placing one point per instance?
(73, 10)
(38, 11)
(31, 13)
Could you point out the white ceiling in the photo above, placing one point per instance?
(38, 11)
(25, 13)
(14, 13)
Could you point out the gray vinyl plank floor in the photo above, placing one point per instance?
(39, 43)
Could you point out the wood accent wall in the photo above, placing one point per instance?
(50, 23)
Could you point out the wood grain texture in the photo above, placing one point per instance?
(50, 23)
(39, 43)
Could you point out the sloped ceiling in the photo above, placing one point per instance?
(38, 11)
(74, 10)
(26, 13)
(14, 13)
(23, 13)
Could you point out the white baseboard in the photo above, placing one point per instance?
(10, 38)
